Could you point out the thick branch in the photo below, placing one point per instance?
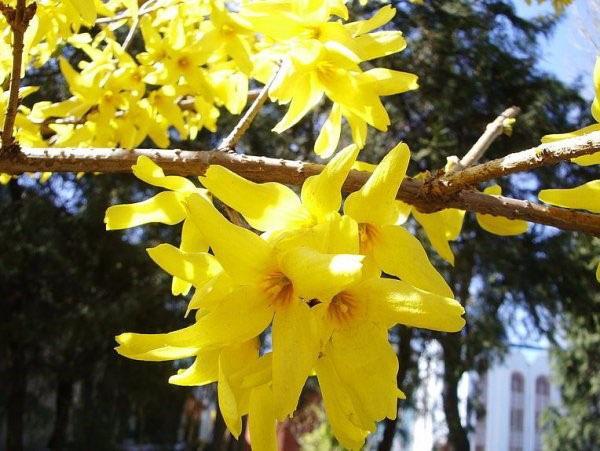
(18, 19)
(543, 155)
(262, 169)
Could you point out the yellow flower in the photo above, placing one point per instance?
(440, 227)
(355, 327)
(271, 286)
(166, 207)
(314, 277)
(321, 58)
(393, 249)
(499, 225)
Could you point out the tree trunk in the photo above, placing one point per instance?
(219, 439)
(17, 365)
(64, 396)
(404, 357)
(15, 405)
(457, 435)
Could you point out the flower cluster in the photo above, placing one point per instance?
(198, 57)
(325, 285)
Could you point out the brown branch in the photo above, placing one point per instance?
(18, 19)
(543, 155)
(492, 131)
(263, 169)
(229, 143)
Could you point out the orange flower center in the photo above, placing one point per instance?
(183, 62)
(278, 288)
(367, 235)
(342, 309)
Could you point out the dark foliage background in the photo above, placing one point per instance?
(67, 286)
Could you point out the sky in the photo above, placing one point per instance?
(571, 51)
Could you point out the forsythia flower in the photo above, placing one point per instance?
(321, 58)
(313, 276)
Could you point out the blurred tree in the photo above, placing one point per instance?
(68, 287)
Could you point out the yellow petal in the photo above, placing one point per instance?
(321, 194)
(361, 100)
(166, 207)
(261, 419)
(296, 346)
(499, 225)
(204, 370)
(583, 197)
(191, 238)
(358, 127)
(338, 405)
(379, 19)
(195, 268)
(86, 9)
(307, 95)
(191, 241)
(233, 399)
(387, 82)
(243, 254)
(266, 206)
(133, 345)
(355, 353)
(441, 227)
(335, 235)
(580, 132)
(374, 203)
(379, 44)
(399, 253)
(242, 315)
(396, 302)
(329, 136)
(598, 272)
(596, 109)
(320, 276)
(148, 171)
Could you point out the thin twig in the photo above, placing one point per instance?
(229, 143)
(526, 160)
(492, 131)
(18, 19)
(262, 169)
(126, 16)
(136, 23)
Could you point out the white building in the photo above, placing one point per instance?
(514, 394)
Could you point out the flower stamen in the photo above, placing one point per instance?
(367, 235)
(279, 289)
(343, 309)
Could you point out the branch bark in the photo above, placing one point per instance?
(18, 19)
(263, 169)
(526, 160)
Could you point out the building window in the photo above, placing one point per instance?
(542, 399)
(517, 408)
